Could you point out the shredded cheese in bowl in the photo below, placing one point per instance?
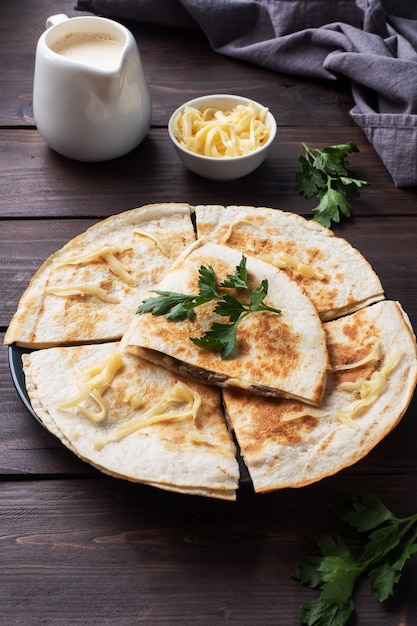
(217, 133)
(222, 136)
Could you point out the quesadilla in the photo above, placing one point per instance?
(336, 276)
(315, 373)
(275, 354)
(134, 420)
(370, 385)
(88, 290)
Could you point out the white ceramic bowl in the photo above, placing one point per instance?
(221, 168)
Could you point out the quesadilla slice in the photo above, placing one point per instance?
(369, 387)
(89, 289)
(132, 419)
(337, 278)
(280, 353)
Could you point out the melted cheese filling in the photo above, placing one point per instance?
(180, 402)
(370, 358)
(154, 238)
(282, 259)
(82, 289)
(107, 254)
(92, 383)
(233, 226)
(134, 398)
(214, 133)
(119, 269)
(369, 390)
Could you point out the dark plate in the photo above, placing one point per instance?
(18, 376)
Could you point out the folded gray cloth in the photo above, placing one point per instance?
(371, 42)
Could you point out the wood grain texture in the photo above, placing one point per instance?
(37, 182)
(107, 553)
(178, 65)
(21, 25)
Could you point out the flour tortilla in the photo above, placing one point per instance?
(185, 456)
(345, 280)
(44, 319)
(301, 451)
(276, 354)
(278, 453)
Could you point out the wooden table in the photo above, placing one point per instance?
(81, 548)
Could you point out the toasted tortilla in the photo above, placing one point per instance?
(291, 415)
(337, 278)
(289, 444)
(275, 355)
(185, 455)
(46, 317)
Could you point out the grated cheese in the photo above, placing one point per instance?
(282, 259)
(180, 402)
(154, 238)
(215, 133)
(107, 254)
(231, 227)
(134, 398)
(92, 383)
(82, 290)
(370, 358)
(369, 390)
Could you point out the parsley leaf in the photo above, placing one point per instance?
(388, 542)
(327, 174)
(173, 305)
(384, 577)
(207, 283)
(238, 280)
(230, 307)
(221, 336)
(324, 613)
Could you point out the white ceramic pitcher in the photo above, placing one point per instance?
(83, 108)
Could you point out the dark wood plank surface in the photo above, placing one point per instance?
(37, 182)
(81, 548)
(105, 552)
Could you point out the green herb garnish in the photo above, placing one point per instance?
(327, 174)
(220, 336)
(389, 541)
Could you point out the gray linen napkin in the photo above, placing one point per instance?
(371, 42)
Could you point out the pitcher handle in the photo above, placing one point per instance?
(55, 19)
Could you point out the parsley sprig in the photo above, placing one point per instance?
(327, 173)
(220, 336)
(389, 541)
